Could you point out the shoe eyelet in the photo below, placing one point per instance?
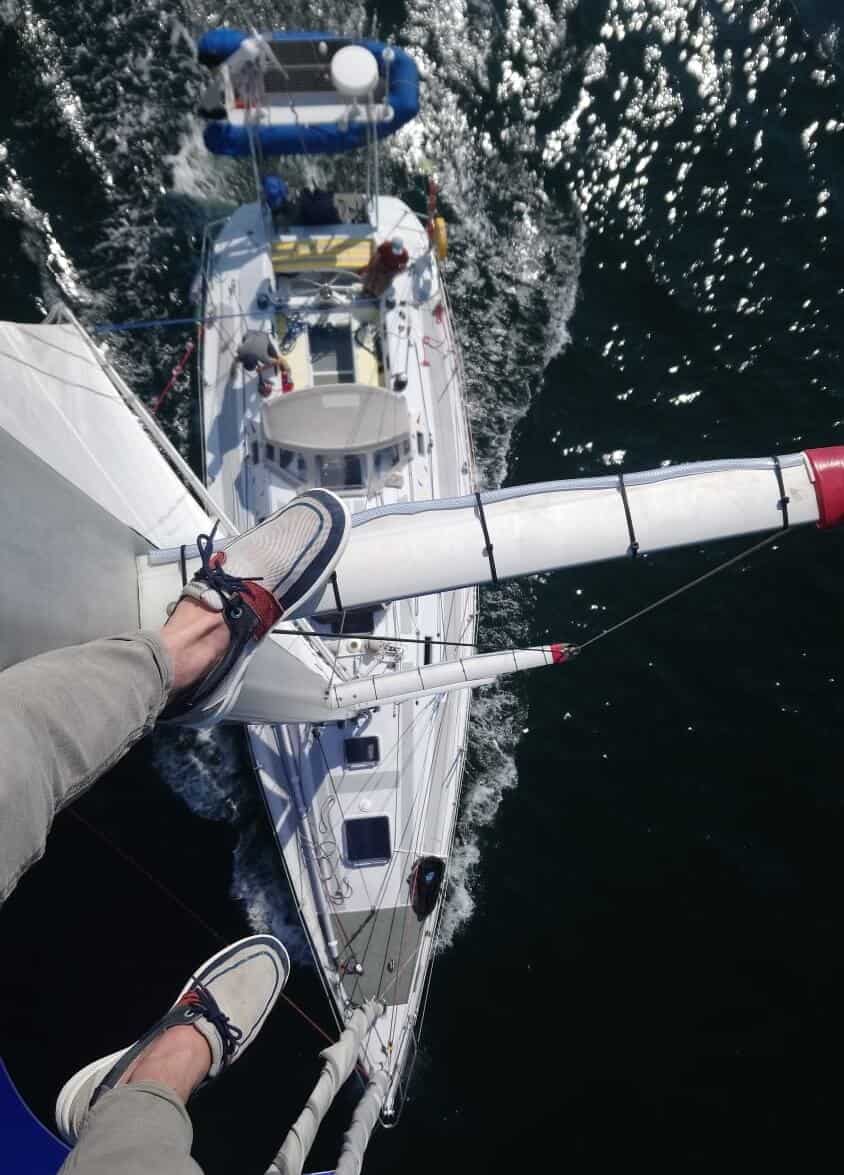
(235, 612)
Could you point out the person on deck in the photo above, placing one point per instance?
(259, 353)
(69, 715)
(389, 259)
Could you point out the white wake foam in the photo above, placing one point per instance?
(59, 278)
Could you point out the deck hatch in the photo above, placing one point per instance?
(367, 840)
(362, 751)
(332, 353)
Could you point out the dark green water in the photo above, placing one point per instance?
(644, 961)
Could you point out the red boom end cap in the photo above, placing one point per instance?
(559, 654)
(828, 469)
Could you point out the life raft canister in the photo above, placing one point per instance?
(426, 878)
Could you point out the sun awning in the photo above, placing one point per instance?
(345, 418)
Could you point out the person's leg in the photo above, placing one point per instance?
(142, 1127)
(126, 1112)
(138, 1129)
(67, 716)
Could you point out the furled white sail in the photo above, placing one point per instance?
(416, 548)
(356, 1139)
(340, 1059)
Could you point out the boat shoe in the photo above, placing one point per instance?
(261, 577)
(227, 1001)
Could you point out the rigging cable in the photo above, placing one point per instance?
(771, 538)
(191, 913)
(368, 636)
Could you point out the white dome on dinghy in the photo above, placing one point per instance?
(354, 71)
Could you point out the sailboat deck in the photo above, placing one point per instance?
(356, 911)
(386, 943)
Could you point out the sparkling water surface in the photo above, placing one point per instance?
(641, 957)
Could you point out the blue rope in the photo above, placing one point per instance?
(104, 328)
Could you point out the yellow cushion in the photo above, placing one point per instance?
(315, 253)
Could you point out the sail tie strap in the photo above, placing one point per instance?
(633, 548)
(488, 549)
(782, 504)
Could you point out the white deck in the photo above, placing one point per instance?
(309, 788)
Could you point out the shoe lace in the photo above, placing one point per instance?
(200, 1002)
(211, 573)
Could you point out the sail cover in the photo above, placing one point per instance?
(415, 548)
(56, 399)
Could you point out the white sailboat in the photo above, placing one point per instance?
(364, 799)
(356, 710)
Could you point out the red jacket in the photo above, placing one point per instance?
(387, 259)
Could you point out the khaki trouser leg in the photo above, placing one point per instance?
(138, 1129)
(65, 718)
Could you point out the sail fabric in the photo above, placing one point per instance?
(364, 1121)
(56, 400)
(340, 1059)
(415, 548)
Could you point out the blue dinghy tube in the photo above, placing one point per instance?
(216, 45)
(222, 138)
(29, 1148)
